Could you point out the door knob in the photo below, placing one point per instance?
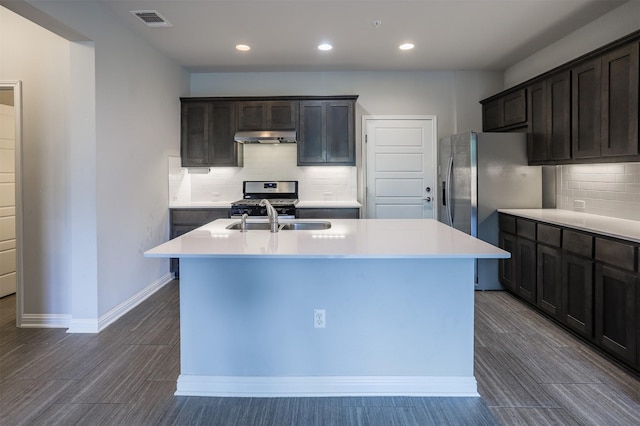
(427, 199)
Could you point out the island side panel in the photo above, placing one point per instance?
(253, 317)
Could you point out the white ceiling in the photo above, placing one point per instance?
(283, 34)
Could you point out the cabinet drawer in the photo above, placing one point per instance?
(330, 213)
(507, 223)
(197, 216)
(578, 242)
(616, 253)
(549, 235)
(526, 228)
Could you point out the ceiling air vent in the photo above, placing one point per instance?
(151, 18)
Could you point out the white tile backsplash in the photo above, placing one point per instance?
(607, 189)
(261, 162)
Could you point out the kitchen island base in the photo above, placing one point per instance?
(393, 326)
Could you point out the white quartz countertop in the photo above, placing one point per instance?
(609, 226)
(347, 238)
(202, 205)
(302, 204)
(310, 204)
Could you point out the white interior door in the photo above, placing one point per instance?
(7, 194)
(401, 167)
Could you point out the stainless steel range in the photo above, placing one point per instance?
(283, 196)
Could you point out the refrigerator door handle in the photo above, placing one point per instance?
(444, 193)
(448, 191)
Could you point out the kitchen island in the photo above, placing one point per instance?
(397, 298)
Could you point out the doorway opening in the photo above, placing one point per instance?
(10, 192)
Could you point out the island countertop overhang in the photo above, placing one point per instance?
(347, 238)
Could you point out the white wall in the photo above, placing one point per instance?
(611, 26)
(452, 96)
(100, 120)
(44, 73)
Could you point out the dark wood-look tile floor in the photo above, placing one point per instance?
(532, 372)
(529, 372)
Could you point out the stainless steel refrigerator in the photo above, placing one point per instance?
(478, 174)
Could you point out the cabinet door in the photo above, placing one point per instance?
(326, 135)
(312, 133)
(267, 115)
(195, 134)
(507, 267)
(559, 116)
(223, 150)
(252, 115)
(537, 144)
(577, 294)
(549, 279)
(620, 102)
(340, 133)
(615, 311)
(505, 111)
(586, 109)
(282, 115)
(514, 108)
(526, 269)
(492, 115)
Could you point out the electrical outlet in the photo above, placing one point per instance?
(319, 318)
(578, 204)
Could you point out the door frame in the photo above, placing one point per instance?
(16, 85)
(365, 164)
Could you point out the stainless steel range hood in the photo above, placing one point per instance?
(266, 136)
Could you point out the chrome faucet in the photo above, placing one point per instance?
(243, 223)
(272, 213)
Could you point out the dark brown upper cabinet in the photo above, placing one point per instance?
(267, 115)
(505, 112)
(207, 130)
(605, 105)
(326, 133)
(585, 111)
(619, 126)
(549, 117)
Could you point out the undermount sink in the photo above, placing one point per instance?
(305, 226)
(288, 226)
(251, 225)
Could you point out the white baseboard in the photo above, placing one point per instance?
(45, 321)
(316, 386)
(96, 325)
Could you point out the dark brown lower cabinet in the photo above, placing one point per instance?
(526, 269)
(616, 311)
(577, 294)
(549, 279)
(507, 269)
(588, 282)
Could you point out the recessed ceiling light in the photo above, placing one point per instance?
(243, 47)
(406, 46)
(325, 46)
